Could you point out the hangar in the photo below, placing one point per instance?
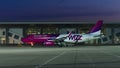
(12, 32)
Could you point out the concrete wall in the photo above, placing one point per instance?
(2, 35)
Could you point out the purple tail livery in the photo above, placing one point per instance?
(97, 26)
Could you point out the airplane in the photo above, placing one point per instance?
(59, 39)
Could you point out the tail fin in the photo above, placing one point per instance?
(97, 26)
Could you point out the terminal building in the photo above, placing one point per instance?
(12, 32)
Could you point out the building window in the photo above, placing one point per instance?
(16, 37)
(73, 32)
(10, 34)
(105, 39)
(110, 37)
(50, 30)
(3, 32)
(118, 34)
(34, 31)
(99, 40)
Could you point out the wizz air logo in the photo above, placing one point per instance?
(75, 37)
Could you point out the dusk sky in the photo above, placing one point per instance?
(60, 10)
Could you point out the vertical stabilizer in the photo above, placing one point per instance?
(97, 26)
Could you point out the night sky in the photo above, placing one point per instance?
(60, 10)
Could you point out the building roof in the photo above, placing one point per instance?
(56, 22)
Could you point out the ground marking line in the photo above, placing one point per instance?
(39, 66)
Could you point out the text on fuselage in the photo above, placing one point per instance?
(75, 37)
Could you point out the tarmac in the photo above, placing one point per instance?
(60, 57)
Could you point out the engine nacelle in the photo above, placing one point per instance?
(49, 43)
